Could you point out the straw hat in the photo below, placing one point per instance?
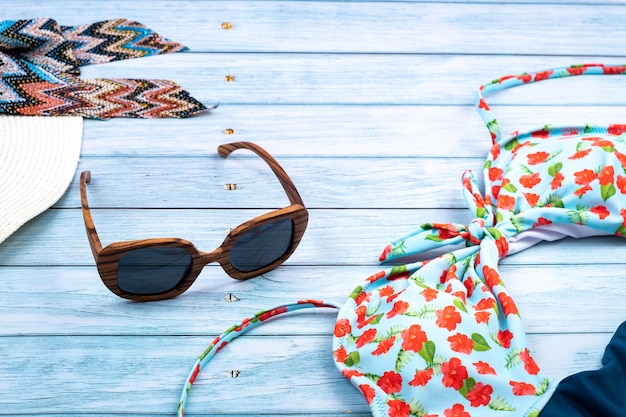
(38, 158)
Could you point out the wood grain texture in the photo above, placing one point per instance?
(368, 106)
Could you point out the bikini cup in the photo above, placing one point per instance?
(443, 337)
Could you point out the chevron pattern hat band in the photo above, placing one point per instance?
(38, 158)
(39, 71)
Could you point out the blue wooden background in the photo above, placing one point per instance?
(368, 107)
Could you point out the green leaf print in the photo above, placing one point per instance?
(449, 258)
(480, 343)
(428, 351)
(500, 404)
(403, 359)
(607, 191)
(353, 358)
(468, 384)
(493, 126)
(512, 144)
(357, 291)
(459, 304)
(543, 386)
(555, 169)
(398, 249)
(510, 187)
(481, 212)
(397, 269)
(434, 237)
(578, 216)
(554, 200)
(513, 359)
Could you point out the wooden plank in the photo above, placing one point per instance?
(333, 130)
(348, 27)
(338, 237)
(398, 79)
(71, 300)
(145, 374)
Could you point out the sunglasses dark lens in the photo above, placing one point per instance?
(262, 245)
(152, 270)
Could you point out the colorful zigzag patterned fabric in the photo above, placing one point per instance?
(39, 71)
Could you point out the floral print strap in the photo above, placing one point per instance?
(236, 331)
(508, 81)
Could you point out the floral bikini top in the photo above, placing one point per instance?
(443, 337)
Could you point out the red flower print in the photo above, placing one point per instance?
(621, 184)
(384, 346)
(368, 392)
(484, 368)
(580, 154)
(351, 373)
(506, 202)
(543, 133)
(606, 175)
(601, 211)
(340, 355)
(194, 375)
(362, 297)
(413, 338)
(613, 69)
(375, 277)
(616, 129)
(421, 378)
(495, 173)
(390, 382)
(492, 278)
(529, 363)
(482, 104)
(430, 294)
(600, 142)
(367, 336)
(342, 327)
(275, 312)
(457, 410)
(504, 338)
(508, 305)
(386, 252)
(522, 388)
(398, 408)
(482, 316)
(582, 190)
(469, 286)
(620, 157)
(530, 180)
(557, 181)
(461, 343)
(448, 318)
(525, 78)
(454, 373)
(532, 198)
(386, 291)
(576, 70)
(495, 191)
(485, 304)
(541, 221)
(537, 158)
(585, 177)
(495, 151)
(480, 394)
(399, 307)
(543, 75)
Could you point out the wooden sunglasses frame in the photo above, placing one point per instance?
(108, 258)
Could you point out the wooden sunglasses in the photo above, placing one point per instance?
(161, 268)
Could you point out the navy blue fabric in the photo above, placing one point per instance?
(599, 393)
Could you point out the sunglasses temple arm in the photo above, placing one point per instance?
(285, 181)
(92, 234)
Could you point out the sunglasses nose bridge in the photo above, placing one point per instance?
(205, 258)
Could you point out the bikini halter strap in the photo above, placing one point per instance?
(526, 78)
(237, 330)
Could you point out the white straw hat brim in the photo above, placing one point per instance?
(38, 159)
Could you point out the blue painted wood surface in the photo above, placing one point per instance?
(368, 107)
